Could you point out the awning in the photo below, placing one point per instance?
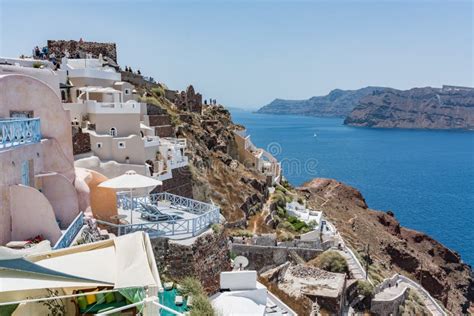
(119, 263)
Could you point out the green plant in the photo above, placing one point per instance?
(331, 261)
(217, 228)
(286, 184)
(201, 304)
(159, 91)
(364, 288)
(37, 64)
(242, 233)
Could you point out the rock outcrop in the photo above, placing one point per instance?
(338, 103)
(431, 108)
(394, 248)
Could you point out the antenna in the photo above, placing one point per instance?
(240, 262)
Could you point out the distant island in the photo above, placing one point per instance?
(449, 107)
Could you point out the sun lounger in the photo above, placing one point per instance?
(190, 301)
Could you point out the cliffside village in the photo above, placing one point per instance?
(98, 214)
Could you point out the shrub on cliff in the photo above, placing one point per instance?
(364, 288)
(201, 305)
(331, 261)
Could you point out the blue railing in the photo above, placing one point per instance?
(70, 234)
(208, 214)
(19, 131)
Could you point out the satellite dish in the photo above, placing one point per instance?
(240, 262)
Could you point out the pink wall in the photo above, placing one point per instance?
(62, 196)
(32, 215)
(24, 93)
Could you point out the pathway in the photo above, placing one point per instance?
(388, 293)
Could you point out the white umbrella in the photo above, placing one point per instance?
(130, 180)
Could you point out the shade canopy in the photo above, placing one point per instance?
(130, 180)
(124, 262)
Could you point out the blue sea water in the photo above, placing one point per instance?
(425, 177)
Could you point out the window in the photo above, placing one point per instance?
(121, 144)
(127, 91)
(99, 145)
(113, 132)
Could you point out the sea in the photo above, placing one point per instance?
(425, 177)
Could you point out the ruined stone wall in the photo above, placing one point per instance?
(158, 120)
(78, 49)
(187, 100)
(138, 80)
(81, 142)
(179, 184)
(164, 131)
(262, 258)
(204, 259)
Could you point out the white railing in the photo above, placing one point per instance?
(19, 131)
(180, 142)
(70, 234)
(208, 214)
(112, 107)
(428, 296)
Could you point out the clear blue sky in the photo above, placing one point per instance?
(246, 53)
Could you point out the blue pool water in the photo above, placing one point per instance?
(425, 177)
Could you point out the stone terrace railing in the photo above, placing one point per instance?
(19, 131)
(430, 302)
(208, 214)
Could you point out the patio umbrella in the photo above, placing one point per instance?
(129, 181)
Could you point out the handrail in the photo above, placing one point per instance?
(68, 237)
(208, 214)
(425, 292)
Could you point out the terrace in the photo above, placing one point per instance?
(19, 131)
(162, 215)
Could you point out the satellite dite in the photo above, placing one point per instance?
(240, 262)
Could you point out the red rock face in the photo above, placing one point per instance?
(446, 108)
(394, 248)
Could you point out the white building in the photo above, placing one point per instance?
(241, 295)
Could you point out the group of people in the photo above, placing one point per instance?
(43, 54)
(129, 69)
(211, 102)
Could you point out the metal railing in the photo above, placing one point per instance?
(70, 234)
(19, 131)
(208, 214)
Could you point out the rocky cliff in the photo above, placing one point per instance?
(432, 108)
(393, 248)
(338, 103)
(241, 192)
(216, 175)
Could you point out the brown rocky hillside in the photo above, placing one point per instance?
(393, 248)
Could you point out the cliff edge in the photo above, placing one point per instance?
(393, 248)
(428, 108)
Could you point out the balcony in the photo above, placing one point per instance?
(130, 107)
(19, 131)
(181, 217)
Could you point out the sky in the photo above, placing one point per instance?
(247, 53)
